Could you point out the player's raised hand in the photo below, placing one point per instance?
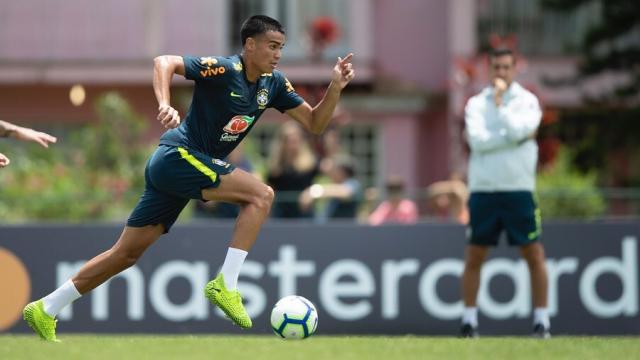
(343, 72)
(168, 116)
(39, 137)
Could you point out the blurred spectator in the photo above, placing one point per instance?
(343, 194)
(501, 123)
(25, 134)
(447, 200)
(292, 166)
(224, 210)
(397, 208)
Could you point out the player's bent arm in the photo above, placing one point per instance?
(523, 121)
(163, 69)
(479, 137)
(316, 119)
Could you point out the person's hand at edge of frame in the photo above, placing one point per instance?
(4, 161)
(39, 137)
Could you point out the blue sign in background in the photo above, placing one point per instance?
(363, 280)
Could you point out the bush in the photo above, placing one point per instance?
(94, 173)
(564, 192)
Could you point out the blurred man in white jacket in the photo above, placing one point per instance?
(501, 123)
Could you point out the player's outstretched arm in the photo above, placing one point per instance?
(163, 69)
(25, 134)
(317, 118)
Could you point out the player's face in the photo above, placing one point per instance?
(268, 49)
(503, 67)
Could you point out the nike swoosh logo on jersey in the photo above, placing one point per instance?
(235, 95)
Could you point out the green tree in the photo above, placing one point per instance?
(564, 192)
(606, 127)
(94, 173)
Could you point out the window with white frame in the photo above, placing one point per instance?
(539, 31)
(296, 16)
(359, 140)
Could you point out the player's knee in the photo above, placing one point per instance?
(264, 198)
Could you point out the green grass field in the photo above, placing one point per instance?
(319, 347)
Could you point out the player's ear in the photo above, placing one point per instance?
(250, 44)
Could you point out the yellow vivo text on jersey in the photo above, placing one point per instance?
(211, 70)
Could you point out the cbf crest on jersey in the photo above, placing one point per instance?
(262, 98)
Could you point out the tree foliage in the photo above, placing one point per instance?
(94, 172)
(605, 126)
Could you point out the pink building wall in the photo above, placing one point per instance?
(411, 41)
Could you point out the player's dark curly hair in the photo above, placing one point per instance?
(259, 24)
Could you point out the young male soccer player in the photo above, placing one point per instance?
(230, 95)
(501, 123)
(22, 133)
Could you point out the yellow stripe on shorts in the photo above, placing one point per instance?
(197, 164)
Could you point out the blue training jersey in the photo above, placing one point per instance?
(225, 105)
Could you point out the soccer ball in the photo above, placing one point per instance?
(294, 317)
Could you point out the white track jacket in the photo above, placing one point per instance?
(503, 154)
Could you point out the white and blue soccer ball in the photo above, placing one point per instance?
(294, 317)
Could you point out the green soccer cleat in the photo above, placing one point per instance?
(230, 302)
(43, 324)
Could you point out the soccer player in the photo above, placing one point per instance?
(22, 133)
(230, 95)
(501, 123)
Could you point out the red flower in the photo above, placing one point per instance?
(324, 29)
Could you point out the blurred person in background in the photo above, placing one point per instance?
(291, 168)
(331, 148)
(230, 94)
(501, 123)
(25, 134)
(447, 200)
(397, 208)
(342, 195)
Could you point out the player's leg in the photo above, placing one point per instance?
(154, 214)
(40, 315)
(534, 255)
(484, 231)
(123, 254)
(523, 226)
(255, 199)
(473, 260)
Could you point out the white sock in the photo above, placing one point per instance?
(61, 297)
(470, 316)
(541, 316)
(231, 267)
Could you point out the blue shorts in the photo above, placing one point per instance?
(173, 176)
(515, 212)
